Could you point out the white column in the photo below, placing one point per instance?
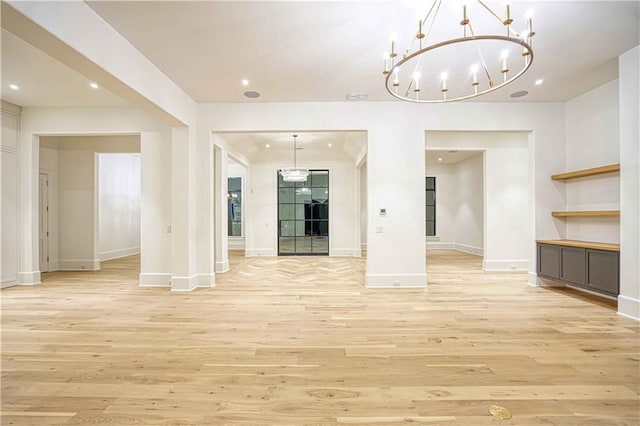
(29, 152)
(182, 212)
(220, 215)
(155, 209)
(395, 182)
(629, 78)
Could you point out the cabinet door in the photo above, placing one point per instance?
(573, 265)
(602, 271)
(549, 261)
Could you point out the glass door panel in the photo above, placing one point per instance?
(303, 215)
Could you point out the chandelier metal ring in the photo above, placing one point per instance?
(398, 65)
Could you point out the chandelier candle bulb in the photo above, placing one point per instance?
(416, 78)
(386, 63)
(396, 78)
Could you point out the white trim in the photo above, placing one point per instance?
(183, 283)
(435, 245)
(396, 281)
(532, 279)
(29, 278)
(117, 254)
(236, 243)
(155, 280)
(363, 247)
(206, 280)
(222, 266)
(10, 282)
(268, 252)
(478, 251)
(546, 282)
(629, 307)
(595, 293)
(505, 265)
(79, 264)
(346, 252)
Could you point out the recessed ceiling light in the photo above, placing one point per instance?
(93, 85)
(539, 81)
(252, 94)
(267, 146)
(439, 158)
(329, 145)
(519, 94)
(245, 82)
(14, 87)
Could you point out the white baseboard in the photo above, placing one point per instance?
(437, 245)
(222, 266)
(206, 280)
(155, 280)
(268, 252)
(545, 282)
(9, 282)
(236, 243)
(505, 265)
(629, 307)
(532, 279)
(345, 252)
(29, 278)
(396, 281)
(79, 264)
(478, 251)
(183, 283)
(117, 254)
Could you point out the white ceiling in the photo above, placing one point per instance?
(450, 156)
(311, 145)
(316, 50)
(44, 81)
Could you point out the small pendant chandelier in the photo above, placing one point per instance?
(294, 174)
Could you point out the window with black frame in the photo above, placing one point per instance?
(303, 215)
(234, 207)
(430, 185)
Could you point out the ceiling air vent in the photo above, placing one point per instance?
(357, 96)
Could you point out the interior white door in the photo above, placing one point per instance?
(44, 222)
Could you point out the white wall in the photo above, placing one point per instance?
(469, 213)
(118, 205)
(592, 135)
(508, 231)
(261, 217)
(629, 71)
(9, 210)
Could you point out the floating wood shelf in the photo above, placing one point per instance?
(612, 168)
(582, 244)
(585, 213)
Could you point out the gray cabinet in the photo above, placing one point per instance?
(549, 261)
(573, 265)
(603, 268)
(595, 270)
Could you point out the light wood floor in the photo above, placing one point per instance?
(302, 341)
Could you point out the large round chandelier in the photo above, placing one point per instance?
(468, 59)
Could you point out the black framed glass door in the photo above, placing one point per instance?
(303, 215)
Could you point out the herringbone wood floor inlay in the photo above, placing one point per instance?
(292, 341)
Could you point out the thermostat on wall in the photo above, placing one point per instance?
(383, 212)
